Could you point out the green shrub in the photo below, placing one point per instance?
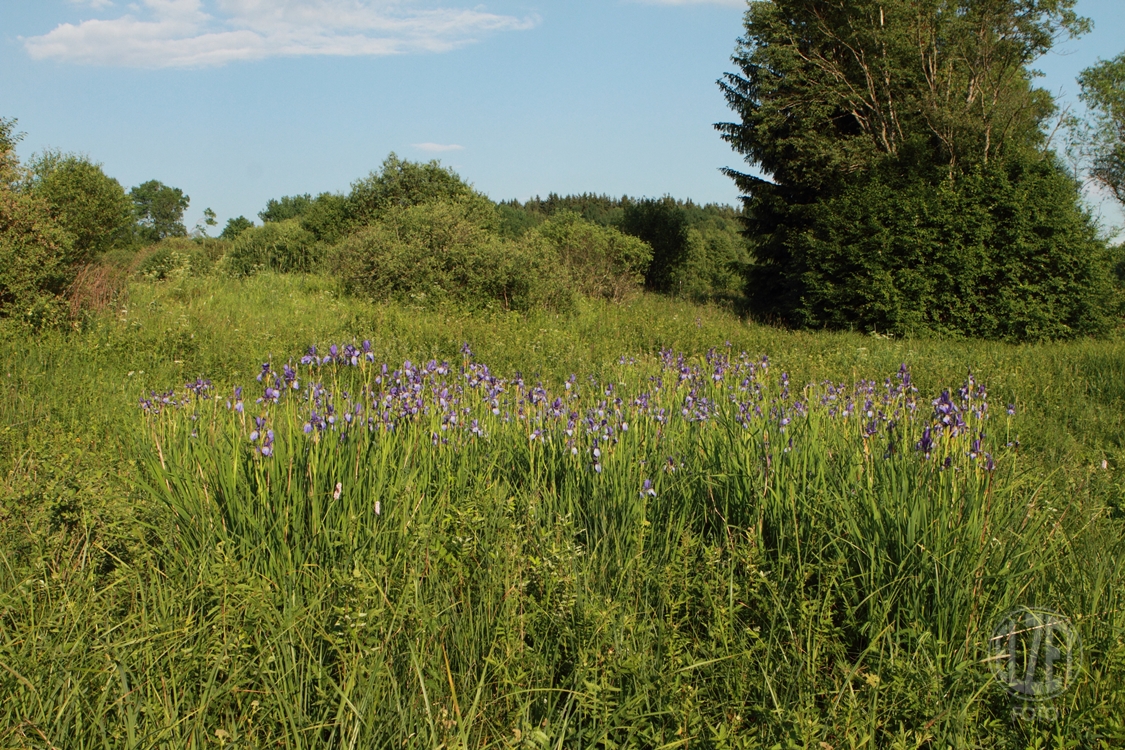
(34, 249)
(434, 253)
(401, 183)
(713, 265)
(282, 247)
(602, 262)
(179, 257)
(328, 216)
(1002, 252)
(90, 205)
(1117, 263)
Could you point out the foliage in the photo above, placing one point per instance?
(9, 163)
(706, 241)
(831, 97)
(1103, 91)
(664, 226)
(599, 209)
(204, 225)
(285, 208)
(89, 205)
(159, 211)
(281, 247)
(400, 183)
(515, 221)
(830, 90)
(435, 252)
(999, 253)
(178, 258)
(235, 227)
(603, 263)
(328, 218)
(34, 254)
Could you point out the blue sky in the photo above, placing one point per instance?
(239, 101)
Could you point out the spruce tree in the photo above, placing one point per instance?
(879, 127)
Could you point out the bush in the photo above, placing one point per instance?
(602, 262)
(401, 183)
(281, 247)
(179, 258)
(34, 249)
(1002, 252)
(435, 253)
(713, 266)
(328, 216)
(90, 205)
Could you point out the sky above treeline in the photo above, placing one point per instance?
(240, 101)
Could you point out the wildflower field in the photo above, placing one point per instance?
(257, 513)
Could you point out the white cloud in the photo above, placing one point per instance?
(438, 147)
(183, 33)
(95, 4)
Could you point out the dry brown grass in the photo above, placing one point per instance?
(96, 288)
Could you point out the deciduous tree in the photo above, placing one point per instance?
(159, 211)
(1103, 91)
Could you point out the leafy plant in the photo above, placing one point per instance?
(281, 247)
(89, 205)
(1000, 253)
(159, 211)
(603, 263)
(34, 255)
(1103, 91)
(439, 252)
(235, 227)
(179, 258)
(398, 184)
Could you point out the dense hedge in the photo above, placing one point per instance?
(1001, 252)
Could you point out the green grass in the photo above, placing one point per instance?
(159, 589)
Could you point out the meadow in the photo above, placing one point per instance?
(261, 513)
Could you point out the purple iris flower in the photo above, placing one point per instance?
(926, 444)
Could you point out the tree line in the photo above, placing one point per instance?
(907, 178)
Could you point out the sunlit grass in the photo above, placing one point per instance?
(402, 579)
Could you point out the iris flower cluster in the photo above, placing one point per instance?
(343, 392)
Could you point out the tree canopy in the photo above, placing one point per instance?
(86, 202)
(1103, 91)
(159, 211)
(847, 104)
